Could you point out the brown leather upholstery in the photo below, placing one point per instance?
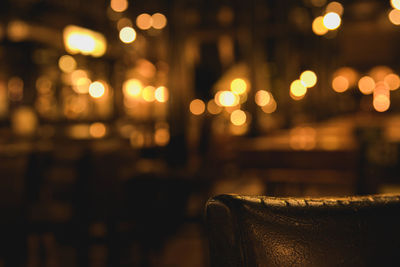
(268, 231)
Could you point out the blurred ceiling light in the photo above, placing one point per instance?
(394, 16)
(393, 81)
(395, 4)
(227, 99)
(97, 89)
(340, 84)
(123, 22)
(318, 3)
(381, 103)
(262, 98)
(238, 86)
(82, 85)
(132, 88)
(159, 21)
(17, 30)
(148, 93)
(318, 26)
(67, 63)
(238, 117)
(309, 78)
(366, 85)
(144, 21)
(270, 107)
(298, 89)
(97, 130)
(335, 7)
(197, 107)
(161, 94)
(84, 41)
(213, 108)
(119, 5)
(127, 35)
(332, 21)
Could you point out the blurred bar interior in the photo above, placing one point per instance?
(120, 118)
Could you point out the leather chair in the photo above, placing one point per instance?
(268, 231)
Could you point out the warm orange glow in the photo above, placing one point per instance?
(238, 86)
(119, 5)
(213, 108)
(381, 88)
(132, 88)
(24, 121)
(197, 107)
(148, 94)
(144, 21)
(127, 35)
(349, 73)
(318, 26)
(303, 138)
(394, 16)
(297, 89)
(366, 85)
(43, 85)
(335, 7)
(97, 130)
(238, 117)
(381, 103)
(332, 21)
(379, 73)
(67, 63)
(161, 94)
(81, 85)
(17, 30)
(226, 99)
(270, 108)
(340, 84)
(159, 21)
(84, 41)
(262, 98)
(393, 81)
(161, 136)
(75, 75)
(309, 78)
(15, 89)
(395, 4)
(123, 22)
(96, 89)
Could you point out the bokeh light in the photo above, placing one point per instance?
(127, 35)
(366, 85)
(297, 89)
(123, 22)
(238, 117)
(227, 99)
(381, 103)
(161, 136)
(332, 21)
(148, 93)
(97, 130)
(161, 94)
(96, 89)
(262, 98)
(393, 81)
(119, 5)
(318, 26)
(144, 21)
(197, 107)
(132, 88)
(84, 41)
(379, 73)
(340, 84)
(335, 7)
(213, 108)
(67, 63)
(270, 107)
(238, 86)
(309, 78)
(81, 86)
(394, 16)
(395, 4)
(159, 21)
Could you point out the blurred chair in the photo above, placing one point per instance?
(268, 231)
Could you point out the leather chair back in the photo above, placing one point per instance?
(269, 231)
